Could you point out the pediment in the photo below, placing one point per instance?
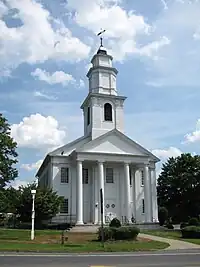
(115, 142)
(67, 149)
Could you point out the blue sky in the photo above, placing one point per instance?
(156, 48)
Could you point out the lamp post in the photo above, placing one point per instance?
(33, 192)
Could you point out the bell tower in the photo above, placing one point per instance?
(102, 108)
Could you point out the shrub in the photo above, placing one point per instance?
(126, 233)
(108, 233)
(191, 232)
(183, 225)
(115, 223)
(162, 215)
(118, 233)
(193, 221)
(170, 226)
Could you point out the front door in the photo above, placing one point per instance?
(110, 210)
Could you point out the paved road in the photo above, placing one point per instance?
(189, 258)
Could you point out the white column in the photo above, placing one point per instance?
(134, 195)
(147, 189)
(101, 185)
(127, 190)
(154, 196)
(96, 195)
(79, 194)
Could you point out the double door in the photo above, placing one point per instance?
(110, 210)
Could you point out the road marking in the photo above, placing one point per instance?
(97, 255)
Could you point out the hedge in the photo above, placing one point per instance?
(191, 232)
(194, 221)
(183, 225)
(119, 233)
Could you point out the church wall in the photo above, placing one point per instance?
(67, 190)
(45, 177)
(99, 126)
(120, 119)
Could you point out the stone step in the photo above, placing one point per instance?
(85, 229)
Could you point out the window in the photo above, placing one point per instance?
(64, 206)
(109, 176)
(107, 112)
(130, 177)
(143, 207)
(65, 175)
(88, 115)
(142, 178)
(85, 176)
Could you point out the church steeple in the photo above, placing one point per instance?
(102, 75)
(102, 108)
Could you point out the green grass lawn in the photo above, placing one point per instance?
(50, 241)
(170, 234)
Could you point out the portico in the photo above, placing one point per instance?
(124, 185)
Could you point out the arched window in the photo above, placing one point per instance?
(88, 115)
(107, 112)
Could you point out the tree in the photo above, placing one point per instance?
(179, 187)
(8, 154)
(162, 215)
(8, 200)
(47, 204)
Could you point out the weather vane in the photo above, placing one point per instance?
(101, 38)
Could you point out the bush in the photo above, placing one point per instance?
(191, 232)
(170, 226)
(118, 233)
(162, 215)
(115, 223)
(193, 222)
(126, 233)
(183, 225)
(108, 233)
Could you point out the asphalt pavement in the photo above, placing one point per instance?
(187, 258)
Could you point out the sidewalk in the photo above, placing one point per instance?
(174, 244)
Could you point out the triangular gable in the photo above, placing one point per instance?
(115, 142)
(68, 148)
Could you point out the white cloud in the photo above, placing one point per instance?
(154, 83)
(38, 131)
(34, 40)
(54, 78)
(194, 136)
(81, 83)
(17, 183)
(3, 9)
(164, 154)
(165, 6)
(122, 33)
(43, 95)
(148, 50)
(32, 166)
(178, 63)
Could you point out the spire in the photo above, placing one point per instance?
(101, 49)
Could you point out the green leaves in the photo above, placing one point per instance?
(47, 204)
(179, 186)
(8, 154)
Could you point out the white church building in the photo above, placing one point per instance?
(103, 158)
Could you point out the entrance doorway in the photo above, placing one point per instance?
(110, 210)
